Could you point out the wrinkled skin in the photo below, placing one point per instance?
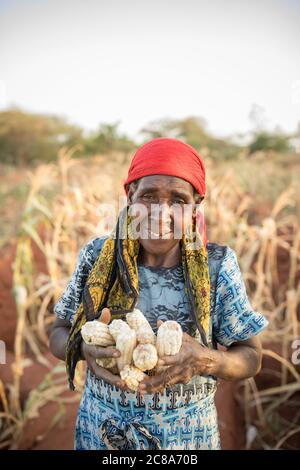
(164, 198)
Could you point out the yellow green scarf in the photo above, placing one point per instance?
(113, 283)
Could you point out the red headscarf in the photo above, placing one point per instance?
(172, 157)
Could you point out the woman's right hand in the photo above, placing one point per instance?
(91, 352)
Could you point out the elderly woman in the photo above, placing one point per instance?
(168, 277)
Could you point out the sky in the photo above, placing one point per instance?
(137, 61)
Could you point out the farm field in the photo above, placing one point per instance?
(50, 211)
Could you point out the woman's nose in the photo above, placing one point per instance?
(161, 217)
(161, 212)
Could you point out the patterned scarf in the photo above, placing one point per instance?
(113, 283)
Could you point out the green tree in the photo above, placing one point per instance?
(26, 138)
(264, 141)
(107, 139)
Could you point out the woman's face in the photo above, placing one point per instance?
(164, 205)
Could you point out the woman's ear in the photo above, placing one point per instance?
(198, 198)
(131, 190)
(130, 194)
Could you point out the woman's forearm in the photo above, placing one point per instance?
(58, 341)
(240, 361)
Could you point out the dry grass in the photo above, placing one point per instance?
(269, 255)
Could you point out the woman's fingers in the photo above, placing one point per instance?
(150, 387)
(106, 375)
(105, 316)
(187, 337)
(98, 352)
(154, 384)
(174, 360)
(147, 384)
(155, 380)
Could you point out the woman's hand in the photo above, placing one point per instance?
(241, 361)
(192, 359)
(91, 352)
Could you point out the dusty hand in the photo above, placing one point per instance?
(192, 359)
(92, 352)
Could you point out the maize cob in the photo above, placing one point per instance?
(145, 356)
(138, 322)
(118, 326)
(96, 332)
(106, 362)
(132, 376)
(126, 343)
(169, 338)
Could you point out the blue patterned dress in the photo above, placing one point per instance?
(184, 416)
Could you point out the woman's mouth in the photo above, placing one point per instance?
(147, 233)
(155, 235)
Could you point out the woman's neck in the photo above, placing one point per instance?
(166, 260)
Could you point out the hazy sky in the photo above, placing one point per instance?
(137, 61)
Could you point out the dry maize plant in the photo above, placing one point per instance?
(269, 257)
(62, 212)
(53, 226)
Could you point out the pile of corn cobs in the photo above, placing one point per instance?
(139, 347)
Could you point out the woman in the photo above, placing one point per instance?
(168, 277)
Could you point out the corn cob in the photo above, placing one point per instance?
(118, 326)
(138, 322)
(96, 332)
(126, 343)
(169, 338)
(132, 376)
(145, 356)
(106, 362)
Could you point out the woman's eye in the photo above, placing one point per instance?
(178, 201)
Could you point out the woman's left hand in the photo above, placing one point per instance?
(192, 359)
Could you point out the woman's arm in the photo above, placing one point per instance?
(58, 342)
(241, 360)
(58, 338)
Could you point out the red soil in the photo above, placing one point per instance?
(7, 305)
(8, 312)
